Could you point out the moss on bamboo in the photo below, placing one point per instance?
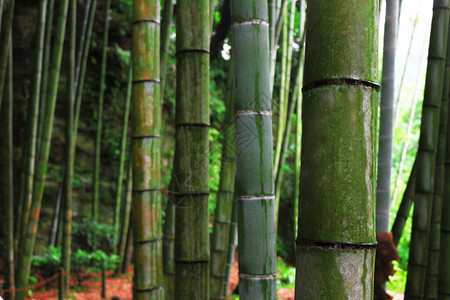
(146, 152)
(336, 227)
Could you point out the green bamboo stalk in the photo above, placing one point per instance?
(123, 152)
(254, 156)
(282, 104)
(386, 118)
(146, 151)
(6, 183)
(1, 12)
(282, 9)
(222, 219)
(431, 279)
(166, 24)
(232, 244)
(192, 248)
(336, 220)
(405, 207)
(426, 155)
(98, 139)
(32, 121)
(125, 220)
(68, 170)
(299, 125)
(27, 248)
(4, 43)
(444, 254)
(128, 246)
(82, 55)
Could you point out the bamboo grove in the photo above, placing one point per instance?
(215, 147)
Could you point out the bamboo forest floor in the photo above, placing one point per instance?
(121, 286)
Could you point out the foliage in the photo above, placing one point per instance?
(80, 261)
(91, 235)
(286, 275)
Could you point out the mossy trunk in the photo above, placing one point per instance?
(336, 226)
(146, 152)
(254, 183)
(192, 247)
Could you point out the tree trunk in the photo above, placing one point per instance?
(426, 155)
(27, 248)
(192, 248)
(336, 226)
(254, 156)
(122, 244)
(146, 152)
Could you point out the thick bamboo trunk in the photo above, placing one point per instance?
(386, 118)
(254, 183)
(6, 184)
(68, 170)
(192, 248)
(336, 226)
(98, 139)
(430, 291)
(27, 248)
(222, 219)
(146, 152)
(443, 288)
(123, 153)
(426, 155)
(405, 207)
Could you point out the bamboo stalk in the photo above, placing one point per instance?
(232, 245)
(386, 118)
(68, 170)
(98, 139)
(405, 207)
(444, 254)
(431, 279)
(254, 156)
(122, 245)
(6, 182)
(27, 248)
(336, 224)
(192, 247)
(222, 219)
(146, 151)
(426, 156)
